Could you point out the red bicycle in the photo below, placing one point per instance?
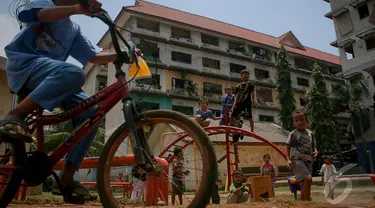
(34, 167)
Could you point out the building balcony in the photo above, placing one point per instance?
(213, 97)
(144, 88)
(212, 47)
(149, 34)
(237, 52)
(336, 12)
(261, 104)
(267, 82)
(299, 88)
(261, 58)
(151, 59)
(183, 41)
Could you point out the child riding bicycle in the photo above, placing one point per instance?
(36, 66)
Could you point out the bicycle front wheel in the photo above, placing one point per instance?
(197, 185)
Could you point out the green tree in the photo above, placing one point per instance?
(319, 111)
(349, 97)
(285, 89)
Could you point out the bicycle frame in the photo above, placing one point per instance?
(105, 99)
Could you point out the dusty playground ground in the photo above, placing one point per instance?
(358, 197)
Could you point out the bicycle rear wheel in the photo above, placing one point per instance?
(14, 178)
(154, 122)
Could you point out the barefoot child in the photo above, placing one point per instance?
(328, 171)
(301, 152)
(239, 189)
(227, 103)
(139, 185)
(268, 169)
(178, 186)
(244, 99)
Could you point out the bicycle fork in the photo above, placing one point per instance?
(137, 137)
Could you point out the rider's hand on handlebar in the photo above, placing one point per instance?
(94, 7)
(128, 56)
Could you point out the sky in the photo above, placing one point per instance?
(305, 18)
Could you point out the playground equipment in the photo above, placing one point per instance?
(224, 129)
(156, 187)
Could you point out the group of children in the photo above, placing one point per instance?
(301, 153)
(236, 105)
(301, 148)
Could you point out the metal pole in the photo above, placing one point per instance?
(196, 168)
(227, 144)
(371, 164)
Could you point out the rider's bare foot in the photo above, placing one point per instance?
(14, 128)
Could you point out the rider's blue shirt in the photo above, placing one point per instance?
(57, 41)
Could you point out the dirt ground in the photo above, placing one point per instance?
(358, 198)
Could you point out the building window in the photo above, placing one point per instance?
(303, 63)
(363, 11)
(302, 101)
(178, 83)
(210, 40)
(212, 89)
(266, 118)
(302, 82)
(101, 83)
(180, 33)
(181, 57)
(183, 109)
(145, 106)
(261, 53)
(239, 47)
(149, 49)
(349, 52)
(148, 25)
(261, 74)
(373, 78)
(210, 63)
(334, 70)
(264, 95)
(154, 81)
(370, 43)
(236, 68)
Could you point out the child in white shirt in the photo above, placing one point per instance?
(328, 171)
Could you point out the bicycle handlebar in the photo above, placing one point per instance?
(106, 19)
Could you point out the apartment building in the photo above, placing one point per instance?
(197, 56)
(355, 38)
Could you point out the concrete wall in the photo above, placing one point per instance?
(164, 102)
(5, 95)
(91, 82)
(348, 25)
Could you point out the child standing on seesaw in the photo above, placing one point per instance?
(301, 152)
(227, 103)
